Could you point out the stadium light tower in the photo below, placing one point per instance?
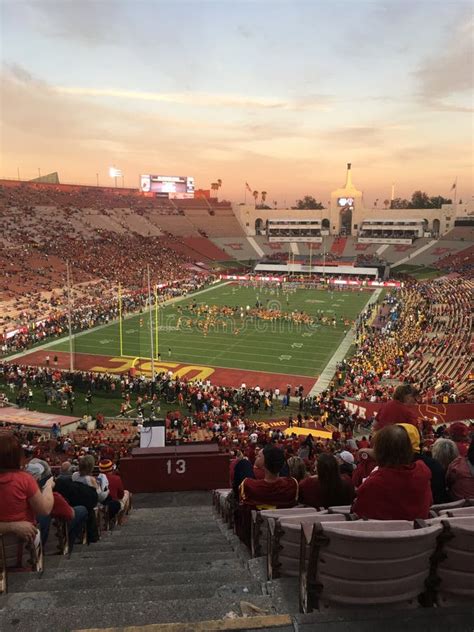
(115, 173)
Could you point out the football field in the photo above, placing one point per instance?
(230, 342)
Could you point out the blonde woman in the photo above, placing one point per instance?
(297, 468)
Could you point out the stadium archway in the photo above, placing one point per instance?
(346, 220)
(325, 224)
(436, 226)
(259, 230)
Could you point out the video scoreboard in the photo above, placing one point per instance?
(168, 186)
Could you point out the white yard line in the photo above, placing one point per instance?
(170, 301)
(382, 249)
(340, 353)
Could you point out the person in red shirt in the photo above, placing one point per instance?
(272, 490)
(21, 498)
(399, 488)
(397, 411)
(328, 488)
(363, 443)
(116, 491)
(459, 433)
(460, 475)
(365, 465)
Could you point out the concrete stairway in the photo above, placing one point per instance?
(171, 562)
(174, 562)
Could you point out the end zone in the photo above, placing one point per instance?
(220, 376)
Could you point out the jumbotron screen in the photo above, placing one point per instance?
(168, 186)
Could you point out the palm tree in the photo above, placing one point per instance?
(255, 196)
(219, 183)
(214, 186)
(264, 196)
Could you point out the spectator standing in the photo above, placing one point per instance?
(397, 410)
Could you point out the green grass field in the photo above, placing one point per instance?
(281, 347)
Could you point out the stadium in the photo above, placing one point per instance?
(220, 411)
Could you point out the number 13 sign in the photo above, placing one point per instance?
(178, 466)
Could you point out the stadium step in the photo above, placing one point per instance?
(23, 582)
(111, 548)
(107, 615)
(152, 559)
(111, 593)
(68, 572)
(143, 542)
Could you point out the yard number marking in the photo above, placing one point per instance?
(285, 357)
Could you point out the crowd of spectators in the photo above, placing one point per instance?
(32, 496)
(105, 235)
(461, 263)
(393, 478)
(27, 196)
(98, 305)
(419, 334)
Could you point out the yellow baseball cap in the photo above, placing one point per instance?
(414, 434)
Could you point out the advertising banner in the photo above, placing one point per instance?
(436, 413)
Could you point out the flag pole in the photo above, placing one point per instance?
(156, 322)
(69, 304)
(455, 193)
(120, 318)
(151, 325)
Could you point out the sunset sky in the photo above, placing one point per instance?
(280, 94)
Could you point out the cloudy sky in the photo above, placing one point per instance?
(277, 93)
